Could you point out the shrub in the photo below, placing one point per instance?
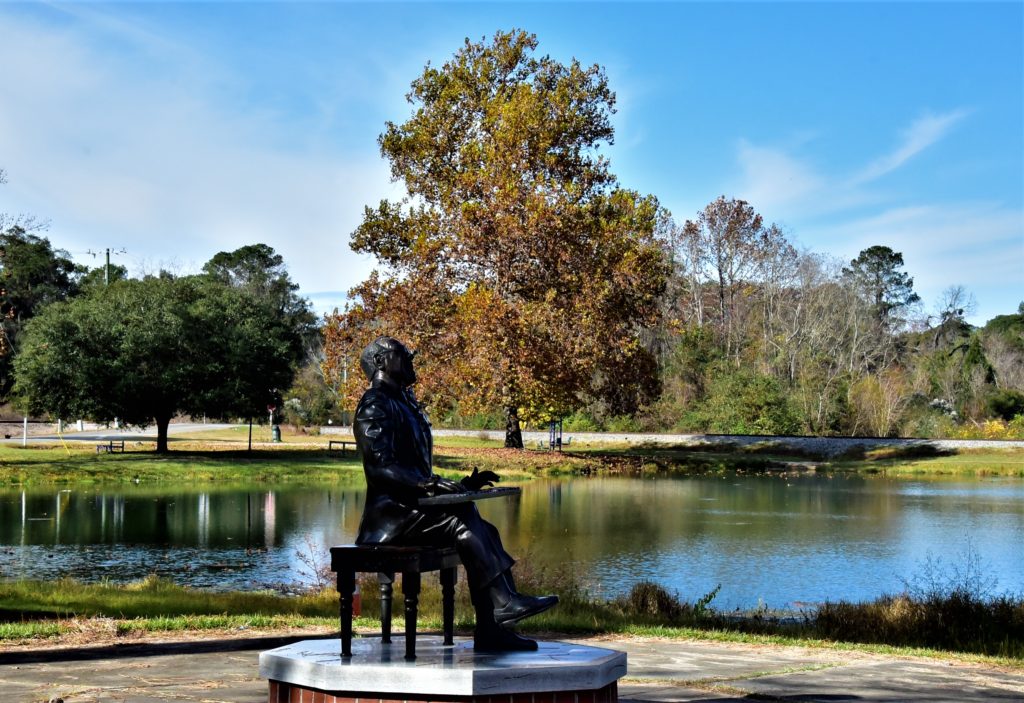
(744, 402)
(1006, 404)
(623, 423)
(929, 424)
(653, 600)
(580, 421)
(947, 605)
(992, 429)
(958, 621)
(456, 419)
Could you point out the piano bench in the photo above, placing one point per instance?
(350, 559)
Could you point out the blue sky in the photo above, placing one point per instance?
(174, 131)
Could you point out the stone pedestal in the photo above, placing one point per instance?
(313, 671)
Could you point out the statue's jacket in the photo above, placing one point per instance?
(394, 438)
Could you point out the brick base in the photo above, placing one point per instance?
(282, 692)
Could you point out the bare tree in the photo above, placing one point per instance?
(879, 400)
(726, 246)
(1007, 361)
(30, 224)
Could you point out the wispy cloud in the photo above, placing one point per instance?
(922, 133)
(976, 244)
(782, 179)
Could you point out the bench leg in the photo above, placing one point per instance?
(411, 590)
(346, 587)
(448, 577)
(386, 589)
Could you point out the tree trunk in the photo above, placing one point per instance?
(513, 433)
(161, 434)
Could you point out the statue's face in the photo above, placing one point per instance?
(398, 366)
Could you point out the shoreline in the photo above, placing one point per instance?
(829, 447)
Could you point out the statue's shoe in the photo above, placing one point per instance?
(520, 607)
(496, 639)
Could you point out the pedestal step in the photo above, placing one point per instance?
(293, 693)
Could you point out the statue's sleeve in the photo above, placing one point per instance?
(378, 433)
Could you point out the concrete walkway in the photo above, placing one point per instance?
(226, 671)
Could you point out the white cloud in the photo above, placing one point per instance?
(139, 149)
(772, 178)
(923, 133)
(978, 245)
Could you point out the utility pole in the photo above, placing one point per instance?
(106, 265)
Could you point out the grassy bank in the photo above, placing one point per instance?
(200, 462)
(221, 455)
(190, 462)
(769, 456)
(62, 611)
(924, 461)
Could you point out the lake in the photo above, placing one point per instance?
(780, 541)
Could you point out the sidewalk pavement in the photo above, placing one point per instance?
(226, 671)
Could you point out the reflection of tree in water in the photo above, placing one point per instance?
(667, 525)
(127, 533)
(688, 533)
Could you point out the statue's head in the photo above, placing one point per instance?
(388, 359)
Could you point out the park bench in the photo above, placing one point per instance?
(345, 444)
(113, 445)
(351, 559)
(559, 444)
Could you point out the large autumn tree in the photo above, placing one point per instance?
(517, 265)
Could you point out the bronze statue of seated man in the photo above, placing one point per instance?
(394, 439)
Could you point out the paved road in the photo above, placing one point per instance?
(133, 434)
(226, 671)
(824, 446)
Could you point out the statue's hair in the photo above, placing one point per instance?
(369, 360)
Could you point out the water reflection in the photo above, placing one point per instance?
(777, 540)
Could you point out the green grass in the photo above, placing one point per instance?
(982, 462)
(221, 456)
(150, 597)
(948, 627)
(289, 435)
(190, 623)
(768, 456)
(467, 442)
(76, 464)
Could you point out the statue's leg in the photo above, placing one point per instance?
(461, 526)
(510, 607)
(487, 566)
(488, 636)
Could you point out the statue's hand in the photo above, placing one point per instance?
(440, 486)
(479, 479)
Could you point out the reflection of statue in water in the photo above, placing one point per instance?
(394, 439)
